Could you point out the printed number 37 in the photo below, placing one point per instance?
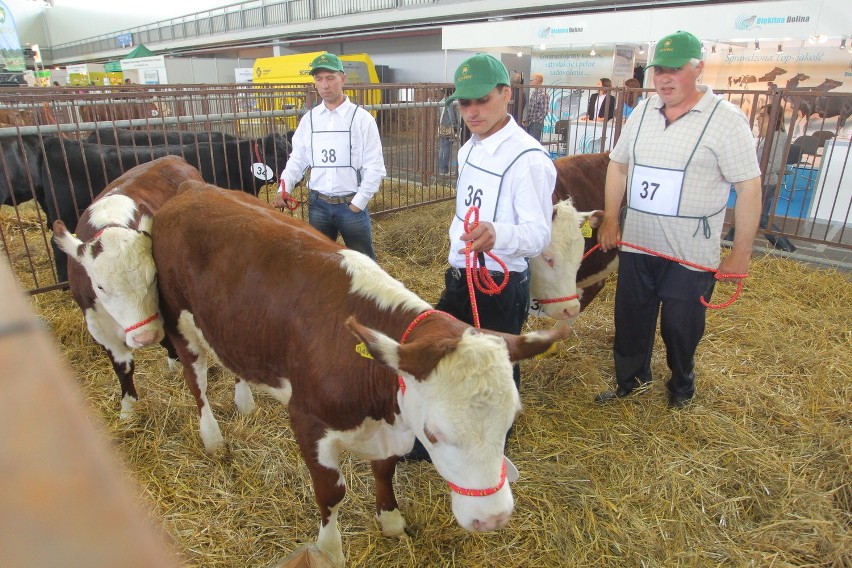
(644, 193)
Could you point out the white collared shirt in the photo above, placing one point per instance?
(523, 216)
(366, 154)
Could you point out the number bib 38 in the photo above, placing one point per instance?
(331, 149)
(656, 190)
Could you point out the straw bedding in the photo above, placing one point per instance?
(756, 472)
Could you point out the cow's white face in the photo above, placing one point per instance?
(462, 405)
(461, 413)
(121, 268)
(554, 271)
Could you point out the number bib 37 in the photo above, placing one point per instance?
(656, 190)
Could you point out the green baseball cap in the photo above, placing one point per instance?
(327, 61)
(477, 76)
(675, 50)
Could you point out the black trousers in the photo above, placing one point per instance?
(649, 286)
(506, 311)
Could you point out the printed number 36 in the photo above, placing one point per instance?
(474, 197)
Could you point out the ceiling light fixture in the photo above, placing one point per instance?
(780, 49)
(713, 49)
(730, 51)
(641, 49)
(592, 52)
(520, 54)
(756, 45)
(843, 43)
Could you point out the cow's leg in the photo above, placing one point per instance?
(329, 485)
(190, 346)
(387, 509)
(104, 330)
(171, 353)
(243, 397)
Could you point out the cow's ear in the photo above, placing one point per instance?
(417, 358)
(533, 343)
(595, 218)
(70, 244)
(381, 347)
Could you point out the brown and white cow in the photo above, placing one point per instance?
(582, 179)
(286, 309)
(110, 268)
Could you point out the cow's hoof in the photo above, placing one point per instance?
(393, 523)
(127, 408)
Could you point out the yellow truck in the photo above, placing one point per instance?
(294, 70)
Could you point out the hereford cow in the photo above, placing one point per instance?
(64, 175)
(582, 179)
(553, 284)
(110, 268)
(280, 318)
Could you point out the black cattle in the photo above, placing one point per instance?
(125, 137)
(66, 175)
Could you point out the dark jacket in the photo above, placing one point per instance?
(593, 100)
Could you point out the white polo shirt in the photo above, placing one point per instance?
(522, 216)
(724, 155)
(366, 154)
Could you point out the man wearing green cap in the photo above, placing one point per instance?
(506, 174)
(678, 154)
(340, 142)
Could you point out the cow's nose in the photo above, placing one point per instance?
(571, 311)
(143, 338)
(491, 523)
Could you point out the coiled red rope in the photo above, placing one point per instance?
(289, 202)
(477, 273)
(715, 272)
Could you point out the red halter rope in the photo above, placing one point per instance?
(572, 296)
(144, 321)
(715, 272)
(453, 486)
(475, 269)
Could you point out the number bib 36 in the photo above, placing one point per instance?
(477, 188)
(656, 190)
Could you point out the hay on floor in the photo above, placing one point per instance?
(756, 472)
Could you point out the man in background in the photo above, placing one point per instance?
(340, 142)
(536, 110)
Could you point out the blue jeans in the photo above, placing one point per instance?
(445, 150)
(534, 130)
(333, 218)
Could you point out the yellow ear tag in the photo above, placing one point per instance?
(362, 350)
(551, 352)
(586, 229)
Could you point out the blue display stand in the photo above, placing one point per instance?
(797, 191)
